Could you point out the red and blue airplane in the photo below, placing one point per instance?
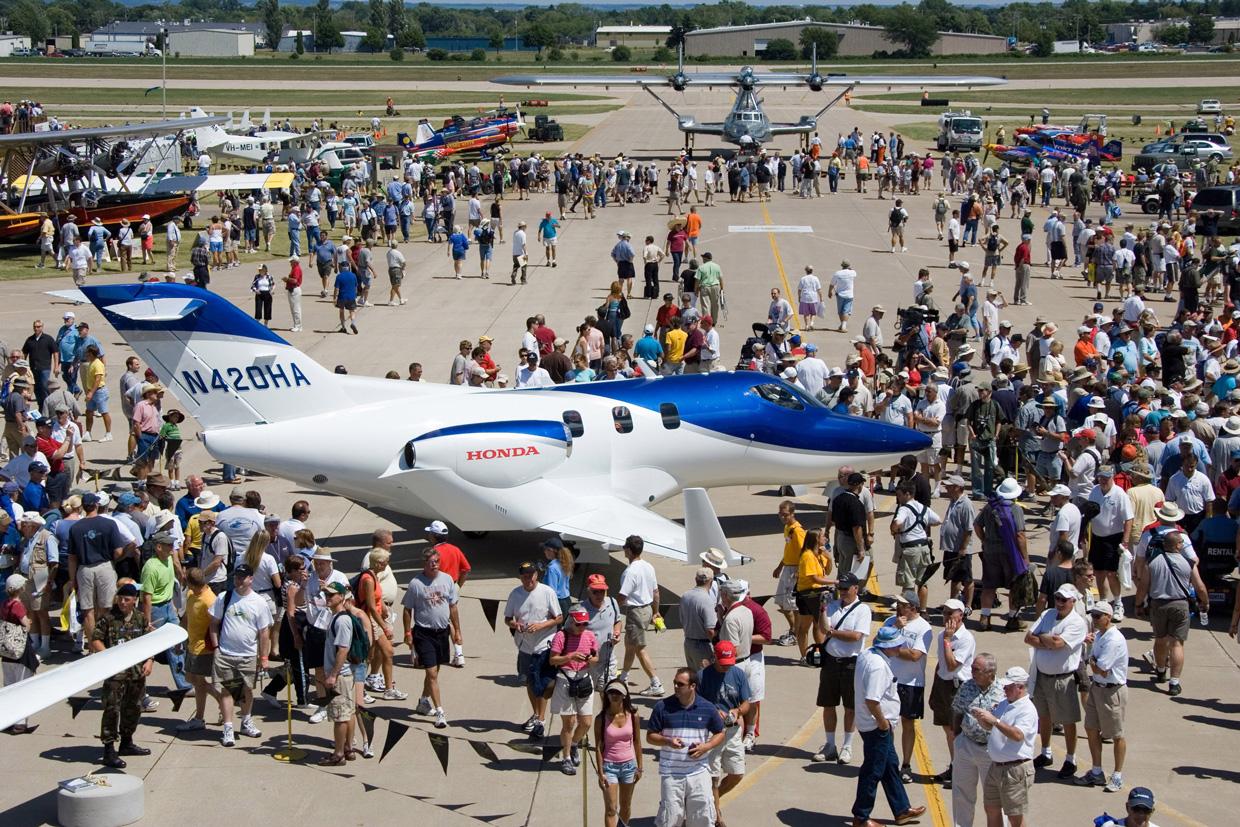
(487, 134)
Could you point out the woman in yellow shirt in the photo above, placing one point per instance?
(812, 569)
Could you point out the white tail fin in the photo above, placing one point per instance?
(703, 531)
(425, 133)
(223, 366)
(207, 137)
(245, 121)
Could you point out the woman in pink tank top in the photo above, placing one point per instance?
(617, 744)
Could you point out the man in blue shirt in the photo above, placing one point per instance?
(724, 684)
(648, 347)
(344, 295)
(547, 229)
(325, 257)
(294, 232)
(685, 728)
(67, 341)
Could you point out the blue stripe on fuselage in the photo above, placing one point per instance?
(529, 427)
(719, 402)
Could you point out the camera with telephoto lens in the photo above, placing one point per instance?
(915, 315)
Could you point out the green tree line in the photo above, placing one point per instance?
(913, 27)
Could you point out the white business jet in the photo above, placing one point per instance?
(585, 461)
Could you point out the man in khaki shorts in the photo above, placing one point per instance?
(1057, 640)
(341, 704)
(911, 527)
(1107, 700)
(1013, 728)
(240, 619)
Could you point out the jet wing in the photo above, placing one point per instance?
(702, 128)
(793, 128)
(199, 183)
(21, 700)
(69, 137)
(611, 521)
(758, 79)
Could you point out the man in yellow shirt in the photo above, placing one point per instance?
(786, 571)
(673, 359)
(47, 238)
(95, 374)
(198, 659)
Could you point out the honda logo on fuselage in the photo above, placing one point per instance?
(501, 453)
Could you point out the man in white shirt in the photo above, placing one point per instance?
(639, 599)
(239, 622)
(909, 668)
(1191, 491)
(910, 525)
(928, 418)
(844, 624)
(533, 614)
(809, 296)
(530, 375)
(990, 313)
(954, 651)
(872, 330)
(1107, 700)
(1013, 726)
(519, 259)
(1057, 640)
(1067, 522)
(812, 371)
(877, 705)
(1109, 528)
(841, 287)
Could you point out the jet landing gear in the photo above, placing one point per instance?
(688, 150)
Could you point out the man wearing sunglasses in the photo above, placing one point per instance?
(1140, 807)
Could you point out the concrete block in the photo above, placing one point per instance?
(119, 803)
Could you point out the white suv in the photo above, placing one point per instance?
(1209, 107)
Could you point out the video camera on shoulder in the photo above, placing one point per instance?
(914, 316)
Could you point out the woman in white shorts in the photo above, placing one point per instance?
(574, 649)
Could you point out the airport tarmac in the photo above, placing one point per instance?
(1177, 747)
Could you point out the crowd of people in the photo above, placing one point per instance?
(1129, 447)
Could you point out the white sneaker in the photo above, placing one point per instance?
(655, 690)
(904, 249)
(846, 755)
(319, 716)
(440, 721)
(1118, 614)
(368, 699)
(227, 739)
(394, 694)
(249, 730)
(458, 661)
(106, 437)
(367, 752)
(86, 437)
(375, 683)
(827, 753)
(192, 725)
(404, 301)
(748, 742)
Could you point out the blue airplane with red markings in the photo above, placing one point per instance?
(486, 134)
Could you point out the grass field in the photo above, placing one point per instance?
(379, 68)
(237, 99)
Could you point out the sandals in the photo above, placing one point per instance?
(332, 760)
(350, 755)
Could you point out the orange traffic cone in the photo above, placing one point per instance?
(1157, 129)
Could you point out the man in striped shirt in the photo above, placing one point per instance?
(685, 728)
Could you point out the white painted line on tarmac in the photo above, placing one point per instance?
(770, 228)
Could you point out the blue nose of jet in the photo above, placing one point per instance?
(858, 435)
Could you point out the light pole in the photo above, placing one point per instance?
(163, 70)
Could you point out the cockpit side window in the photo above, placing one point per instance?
(575, 426)
(780, 395)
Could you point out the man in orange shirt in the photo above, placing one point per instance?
(867, 355)
(693, 227)
(1084, 347)
(863, 172)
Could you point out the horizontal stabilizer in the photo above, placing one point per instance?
(611, 521)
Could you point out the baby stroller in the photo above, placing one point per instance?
(637, 194)
(754, 348)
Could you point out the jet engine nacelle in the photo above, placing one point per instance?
(815, 82)
(493, 455)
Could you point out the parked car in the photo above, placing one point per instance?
(1182, 152)
(21, 53)
(1225, 200)
(1209, 107)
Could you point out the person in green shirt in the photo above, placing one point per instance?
(709, 288)
(1026, 222)
(170, 439)
(984, 417)
(159, 584)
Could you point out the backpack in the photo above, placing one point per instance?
(1158, 538)
(359, 647)
(355, 584)
(895, 216)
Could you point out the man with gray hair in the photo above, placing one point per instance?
(430, 618)
(970, 760)
(697, 616)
